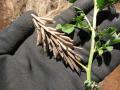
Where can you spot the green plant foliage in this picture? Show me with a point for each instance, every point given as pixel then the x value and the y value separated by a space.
pixel 101 41
pixel 110 35
pixel 109 48
pixel 71 1
pixel 107 38
pixel 91 85
pixel 66 28
pixel 102 3
pixel 80 19
pixel 79 22
pixel 100 52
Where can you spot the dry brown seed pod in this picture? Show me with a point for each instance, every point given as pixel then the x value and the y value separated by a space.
pixel 66 38
pixel 60 51
pixel 38 19
pixel 55 51
pixel 52 28
pixel 78 58
pixel 50 47
pixel 61 45
pixel 79 48
pixel 71 55
pixel 35 23
pixel 69 44
pixel 39 37
pixel 75 66
pixel 69 62
pixel 43 34
pixel 55 41
pixel 48 39
pixel 49 20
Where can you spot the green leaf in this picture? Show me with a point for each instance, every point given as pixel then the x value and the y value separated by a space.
pixel 109 48
pixel 79 20
pixel 90 85
pixel 66 28
pixel 78 10
pixel 107 38
pixel 113 1
pixel 100 52
pixel 110 30
pixel 110 36
pixel 82 25
pixel 115 41
pixel 71 1
pixel 59 26
pixel 102 3
pixel 107 34
pixel 98 45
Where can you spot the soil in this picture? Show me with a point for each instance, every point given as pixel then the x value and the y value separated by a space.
pixel 4 14
pixel 112 81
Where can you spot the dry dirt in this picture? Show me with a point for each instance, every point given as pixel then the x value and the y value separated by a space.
pixel 112 81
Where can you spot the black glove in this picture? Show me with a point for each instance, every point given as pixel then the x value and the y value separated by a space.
pixel 67 15
pixel 16 33
pixel 24 66
pixel 104 65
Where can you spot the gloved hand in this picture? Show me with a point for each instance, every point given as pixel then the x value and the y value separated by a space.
pixel 105 64
pixel 14 35
pixel 23 66
pixel 102 66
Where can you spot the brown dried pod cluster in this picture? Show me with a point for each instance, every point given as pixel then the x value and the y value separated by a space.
pixel 56 42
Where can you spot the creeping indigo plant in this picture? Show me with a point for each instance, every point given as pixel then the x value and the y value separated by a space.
pixel 71 1
pixel 105 38
pixel 102 3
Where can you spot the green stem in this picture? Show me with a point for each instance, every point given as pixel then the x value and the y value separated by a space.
pixel 88 22
pixel 96 10
pixel 82 65
pixel 92 50
pixel 91 56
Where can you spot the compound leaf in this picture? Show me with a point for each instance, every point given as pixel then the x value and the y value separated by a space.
pixel 66 28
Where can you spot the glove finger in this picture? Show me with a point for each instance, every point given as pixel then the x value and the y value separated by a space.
pixel 105 19
pixel 67 15
pixel 111 21
pixel 104 65
pixel 16 33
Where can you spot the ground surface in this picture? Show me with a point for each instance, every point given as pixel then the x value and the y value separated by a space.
pixel 112 82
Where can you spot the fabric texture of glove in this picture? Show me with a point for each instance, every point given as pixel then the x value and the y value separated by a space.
pixel 16 33
pixel 103 65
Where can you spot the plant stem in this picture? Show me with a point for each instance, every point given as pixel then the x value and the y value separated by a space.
pixel 96 10
pixel 91 56
pixel 92 50
pixel 82 65
pixel 88 22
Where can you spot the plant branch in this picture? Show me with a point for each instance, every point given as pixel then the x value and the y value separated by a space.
pixel 83 66
pixel 60 45
pixel 88 22
pixel 96 10
pixel 92 50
